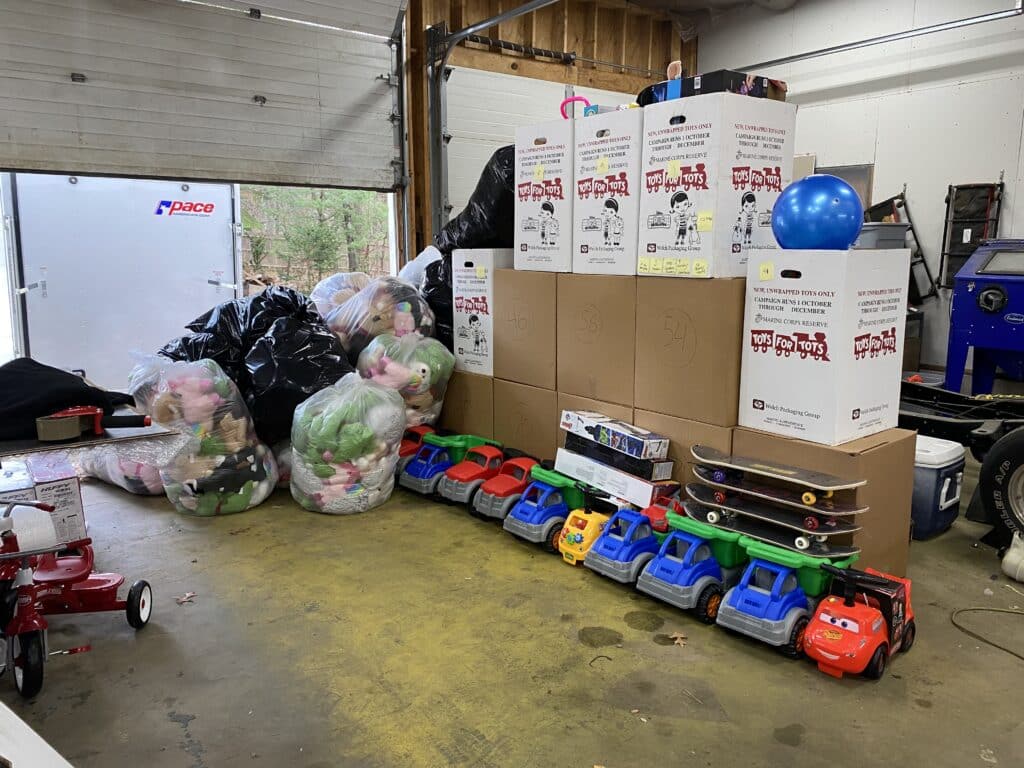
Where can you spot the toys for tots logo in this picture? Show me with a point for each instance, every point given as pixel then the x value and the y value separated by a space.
pixel 873 345
pixel 757 180
pixel 589 187
pixel 806 345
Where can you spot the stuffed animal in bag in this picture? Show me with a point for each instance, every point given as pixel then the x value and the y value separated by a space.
pixel 386 305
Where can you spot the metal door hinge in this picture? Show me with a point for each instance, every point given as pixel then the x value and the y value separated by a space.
pixel 390 78
pixel 236 228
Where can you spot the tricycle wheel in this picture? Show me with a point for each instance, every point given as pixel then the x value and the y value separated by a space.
pixel 708 603
pixel 876 667
pixel 552 543
pixel 140 604
pixel 909 633
pixel 28 663
pixel 795 647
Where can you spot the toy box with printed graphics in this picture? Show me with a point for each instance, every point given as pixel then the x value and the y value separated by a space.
pixel 625 438
pixel 473 306
pixel 607 178
pixel 612 481
pixel 823 343
pixel 713 167
pixel 48 477
pixel 544 196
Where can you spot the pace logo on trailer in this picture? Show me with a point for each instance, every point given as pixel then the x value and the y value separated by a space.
pixel 183 208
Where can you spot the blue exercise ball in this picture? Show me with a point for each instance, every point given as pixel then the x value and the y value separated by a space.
pixel 818 212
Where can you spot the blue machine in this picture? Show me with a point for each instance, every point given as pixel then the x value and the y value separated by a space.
pixel 988 315
pixel 767 604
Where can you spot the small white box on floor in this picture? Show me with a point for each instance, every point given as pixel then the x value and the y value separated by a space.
pixel 544 196
pixel 713 166
pixel 607 201
pixel 473 306
pixel 823 343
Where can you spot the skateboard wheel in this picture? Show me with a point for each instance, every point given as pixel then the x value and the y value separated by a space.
pixel 828 494
pixel 821 539
pixel 808 498
pixel 802 542
pixel 719 476
pixel 713 516
pixel 719 497
pixel 811 523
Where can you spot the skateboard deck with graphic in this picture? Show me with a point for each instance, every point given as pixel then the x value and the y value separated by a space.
pixel 777 494
pixel 818 481
pixel 775 526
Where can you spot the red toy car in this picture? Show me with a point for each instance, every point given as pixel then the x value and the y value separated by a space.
pixel 657 511
pixel 461 482
pixel 411 441
pixel 865 620
pixel 499 494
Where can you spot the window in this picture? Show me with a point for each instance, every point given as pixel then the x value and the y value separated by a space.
pixel 763 579
pixel 642 531
pixel 553 499
pixel 679 549
pixel 494 463
pixel 790 583
pixel 478 458
pixel 517 472
pixel 703 553
pixel 532 494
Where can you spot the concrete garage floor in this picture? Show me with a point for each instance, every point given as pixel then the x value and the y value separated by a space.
pixel 415 635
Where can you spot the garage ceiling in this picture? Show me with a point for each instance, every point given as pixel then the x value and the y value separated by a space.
pixel 200 90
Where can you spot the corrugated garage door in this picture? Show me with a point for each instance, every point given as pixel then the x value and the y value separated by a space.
pixel 189 89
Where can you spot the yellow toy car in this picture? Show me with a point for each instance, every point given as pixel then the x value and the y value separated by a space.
pixel 579 533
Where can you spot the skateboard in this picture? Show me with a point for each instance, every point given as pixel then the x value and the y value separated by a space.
pixel 767 523
pixel 774 493
pixel 810 481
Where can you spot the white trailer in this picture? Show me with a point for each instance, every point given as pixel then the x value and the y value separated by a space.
pixel 98 268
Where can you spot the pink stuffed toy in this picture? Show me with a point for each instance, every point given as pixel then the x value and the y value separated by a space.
pixel 392 374
pixel 199 401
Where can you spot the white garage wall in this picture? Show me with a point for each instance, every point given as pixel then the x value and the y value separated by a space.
pixel 484 110
pixel 170 90
pixel 932 111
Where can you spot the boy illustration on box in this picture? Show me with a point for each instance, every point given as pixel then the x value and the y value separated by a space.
pixel 612 222
pixel 548 224
pixel 684 219
pixel 748 213
pixel 479 338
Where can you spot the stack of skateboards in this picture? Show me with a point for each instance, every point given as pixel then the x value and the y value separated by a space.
pixel 786 506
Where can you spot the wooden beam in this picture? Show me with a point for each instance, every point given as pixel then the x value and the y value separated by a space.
pixel 551 71
pixel 418 157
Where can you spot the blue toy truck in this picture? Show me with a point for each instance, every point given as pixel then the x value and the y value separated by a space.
pixel 436 454
pixel 768 604
pixel 624 547
pixel 543 508
pixel 685 572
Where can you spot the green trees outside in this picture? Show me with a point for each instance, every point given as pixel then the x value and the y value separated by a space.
pixel 295 236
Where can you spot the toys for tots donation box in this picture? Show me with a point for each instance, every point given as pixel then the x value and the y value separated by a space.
pixel 607 197
pixel 713 167
pixel 543 181
pixel 473 306
pixel 823 343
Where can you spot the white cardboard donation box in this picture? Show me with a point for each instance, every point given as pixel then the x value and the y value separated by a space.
pixel 607 202
pixel 544 197
pixel 823 343
pixel 713 166
pixel 473 306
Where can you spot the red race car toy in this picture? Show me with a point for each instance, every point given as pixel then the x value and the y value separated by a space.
pixel 865 620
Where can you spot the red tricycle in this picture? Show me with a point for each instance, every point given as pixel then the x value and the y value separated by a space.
pixel 47 577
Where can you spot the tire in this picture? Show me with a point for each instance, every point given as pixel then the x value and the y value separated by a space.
pixel 552 540
pixel 139 604
pixel 1001 480
pixel 708 603
pixel 876 667
pixel 802 542
pixel 909 635
pixel 795 647
pixel 713 516
pixel 28 663
pixel 808 498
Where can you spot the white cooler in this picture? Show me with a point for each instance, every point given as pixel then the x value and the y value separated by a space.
pixel 938 475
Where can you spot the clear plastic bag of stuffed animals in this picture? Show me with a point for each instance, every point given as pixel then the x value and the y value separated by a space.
pixel 417 368
pixel 333 291
pixel 133 465
pixel 223 468
pixel 385 305
pixel 345 446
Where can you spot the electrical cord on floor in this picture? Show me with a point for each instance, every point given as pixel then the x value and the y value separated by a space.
pixel 976 636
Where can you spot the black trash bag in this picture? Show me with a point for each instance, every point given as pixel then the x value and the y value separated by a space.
pixel 29 389
pixel 437 290
pixel 487 220
pixel 242 321
pixel 291 361
pixel 209 346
